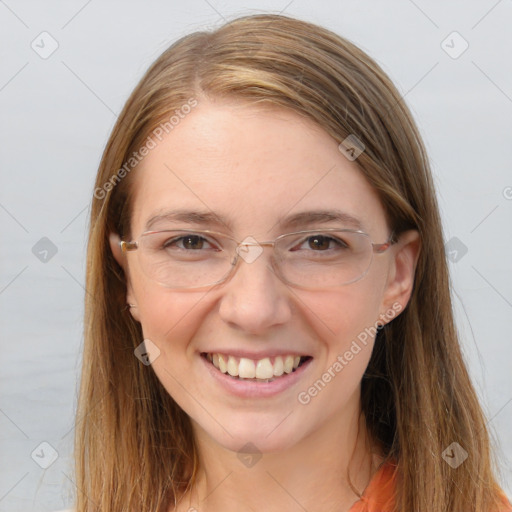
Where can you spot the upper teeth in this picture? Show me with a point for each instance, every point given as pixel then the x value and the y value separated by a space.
pixel 250 369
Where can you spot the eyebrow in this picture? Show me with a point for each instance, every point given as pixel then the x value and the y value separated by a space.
pixel 309 218
pixel 296 221
pixel 187 217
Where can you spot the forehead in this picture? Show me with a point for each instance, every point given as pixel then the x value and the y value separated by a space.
pixel 250 165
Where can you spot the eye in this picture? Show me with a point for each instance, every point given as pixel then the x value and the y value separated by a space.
pixel 321 243
pixel 189 242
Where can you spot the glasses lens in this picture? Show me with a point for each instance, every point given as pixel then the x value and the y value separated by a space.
pixel 185 259
pixel 322 259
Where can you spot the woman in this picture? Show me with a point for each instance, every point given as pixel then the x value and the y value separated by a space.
pixel 268 317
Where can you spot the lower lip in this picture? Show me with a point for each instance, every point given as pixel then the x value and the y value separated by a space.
pixel 251 389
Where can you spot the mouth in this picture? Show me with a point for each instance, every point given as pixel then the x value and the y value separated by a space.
pixel 265 370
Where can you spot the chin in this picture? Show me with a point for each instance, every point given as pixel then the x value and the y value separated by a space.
pixel 254 433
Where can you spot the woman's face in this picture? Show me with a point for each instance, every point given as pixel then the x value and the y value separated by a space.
pixel 256 169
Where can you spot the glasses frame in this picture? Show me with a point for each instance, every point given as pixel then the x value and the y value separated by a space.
pixel 133 245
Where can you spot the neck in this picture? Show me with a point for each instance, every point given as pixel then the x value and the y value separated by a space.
pixel 326 471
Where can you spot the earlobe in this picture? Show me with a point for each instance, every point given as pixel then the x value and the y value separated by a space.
pixel 403 269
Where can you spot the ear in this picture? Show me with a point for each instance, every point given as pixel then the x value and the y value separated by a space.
pixel 400 281
pixel 115 246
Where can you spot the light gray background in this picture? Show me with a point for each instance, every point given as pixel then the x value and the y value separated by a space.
pixel 56 114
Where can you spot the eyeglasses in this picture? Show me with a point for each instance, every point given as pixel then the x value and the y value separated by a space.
pixel 178 258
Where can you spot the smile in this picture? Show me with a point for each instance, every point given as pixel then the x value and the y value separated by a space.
pixel 266 369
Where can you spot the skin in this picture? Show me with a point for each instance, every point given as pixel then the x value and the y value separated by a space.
pixel 252 166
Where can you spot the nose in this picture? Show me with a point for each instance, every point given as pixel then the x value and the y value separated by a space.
pixel 254 299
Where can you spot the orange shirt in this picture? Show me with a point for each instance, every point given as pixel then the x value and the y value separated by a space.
pixel 379 495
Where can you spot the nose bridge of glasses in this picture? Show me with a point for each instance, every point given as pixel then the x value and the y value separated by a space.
pixel 252 242
pixel 250 249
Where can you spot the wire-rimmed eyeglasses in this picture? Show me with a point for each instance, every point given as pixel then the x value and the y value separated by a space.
pixel 315 258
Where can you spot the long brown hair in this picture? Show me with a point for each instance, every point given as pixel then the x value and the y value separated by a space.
pixel 134 446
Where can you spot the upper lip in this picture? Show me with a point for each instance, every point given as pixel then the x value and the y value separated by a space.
pixel 261 354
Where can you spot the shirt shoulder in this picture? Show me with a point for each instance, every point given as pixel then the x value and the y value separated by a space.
pixel 379 496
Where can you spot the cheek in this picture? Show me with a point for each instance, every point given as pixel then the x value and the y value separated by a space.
pixel 345 323
pixel 345 312
pixel 171 320
pixel 168 317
